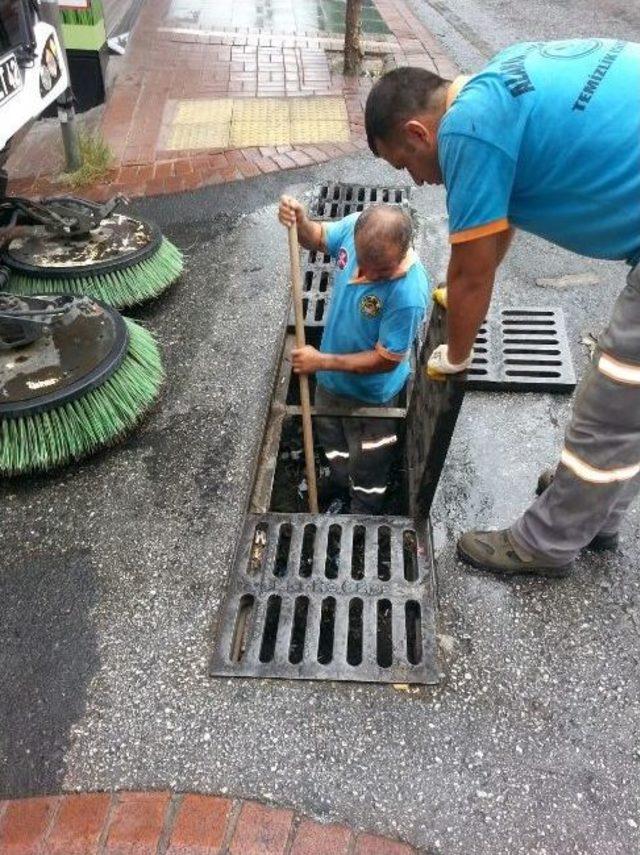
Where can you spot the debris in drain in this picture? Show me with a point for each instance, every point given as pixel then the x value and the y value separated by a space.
pixel 337 506
pixel 258 549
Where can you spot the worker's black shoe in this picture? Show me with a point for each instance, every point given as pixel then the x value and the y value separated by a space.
pixel 496 552
pixel 602 542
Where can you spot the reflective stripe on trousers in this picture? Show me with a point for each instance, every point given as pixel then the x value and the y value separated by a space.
pixel 599 472
pixel 360 452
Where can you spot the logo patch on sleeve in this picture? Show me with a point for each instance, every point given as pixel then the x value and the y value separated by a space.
pixel 343 258
pixel 370 306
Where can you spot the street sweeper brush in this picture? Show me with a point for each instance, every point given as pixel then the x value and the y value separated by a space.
pixel 68 245
pixel 74 377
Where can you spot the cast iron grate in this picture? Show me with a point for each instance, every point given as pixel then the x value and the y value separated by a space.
pixel 313 260
pixel 335 201
pixel 317 282
pixel 329 598
pixel 523 349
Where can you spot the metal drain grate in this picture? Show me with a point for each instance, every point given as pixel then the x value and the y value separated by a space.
pixel 335 201
pixel 312 260
pixel 317 282
pixel 329 598
pixel 522 349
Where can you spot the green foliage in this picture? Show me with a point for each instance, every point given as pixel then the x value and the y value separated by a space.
pixel 99 418
pixel 119 288
pixel 83 17
pixel 96 159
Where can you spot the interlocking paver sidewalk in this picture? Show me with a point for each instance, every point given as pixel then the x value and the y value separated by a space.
pixel 184 68
pixel 158 823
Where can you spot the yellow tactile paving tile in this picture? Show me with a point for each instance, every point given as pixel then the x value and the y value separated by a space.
pixel 248 135
pixel 315 132
pixel 318 110
pixel 245 122
pixel 187 137
pixel 199 112
pixel 274 110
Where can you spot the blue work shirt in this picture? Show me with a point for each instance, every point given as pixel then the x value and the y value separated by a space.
pixel 547 138
pixel 384 315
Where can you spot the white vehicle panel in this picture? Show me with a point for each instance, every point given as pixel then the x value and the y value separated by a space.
pixel 40 84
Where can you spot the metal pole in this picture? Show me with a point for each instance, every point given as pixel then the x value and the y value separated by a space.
pixel 66 112
pixel 307 430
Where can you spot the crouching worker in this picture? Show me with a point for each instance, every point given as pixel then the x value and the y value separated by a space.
pixel 377 306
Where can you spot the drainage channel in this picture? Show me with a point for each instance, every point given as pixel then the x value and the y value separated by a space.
pixel 340 597
pixel 346 597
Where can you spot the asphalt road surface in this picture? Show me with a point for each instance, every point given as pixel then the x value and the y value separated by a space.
pixel 472 31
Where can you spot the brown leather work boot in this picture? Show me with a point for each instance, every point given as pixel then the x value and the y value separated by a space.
pixel 496 552
pixel 603 541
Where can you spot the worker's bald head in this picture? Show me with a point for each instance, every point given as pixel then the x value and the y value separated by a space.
pixel 383 237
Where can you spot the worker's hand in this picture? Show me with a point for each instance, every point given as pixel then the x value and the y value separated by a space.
pixel 440 296
pixel 439 366
pixel 306 360
pixel 291 211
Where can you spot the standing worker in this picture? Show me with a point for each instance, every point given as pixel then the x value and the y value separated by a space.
pixel 378 303
pixel 546 138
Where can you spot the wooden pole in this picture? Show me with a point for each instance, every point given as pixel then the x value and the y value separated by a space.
pixel 307 430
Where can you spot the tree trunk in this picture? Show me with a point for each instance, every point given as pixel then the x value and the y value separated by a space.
pixel 352 48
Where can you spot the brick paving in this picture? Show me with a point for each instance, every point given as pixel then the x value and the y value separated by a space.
pixel 164 824
pixel 166 64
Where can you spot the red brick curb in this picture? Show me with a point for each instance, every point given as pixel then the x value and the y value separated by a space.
pixel 161 823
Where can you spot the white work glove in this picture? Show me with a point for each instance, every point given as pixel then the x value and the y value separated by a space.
pixel 439 365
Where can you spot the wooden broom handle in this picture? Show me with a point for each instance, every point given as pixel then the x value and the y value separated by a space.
pixel 307 429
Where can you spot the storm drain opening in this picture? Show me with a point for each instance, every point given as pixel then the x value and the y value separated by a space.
pixel 522 349
pixel 241 628
pixel 334 201
pixel 299 631
pixel 289 487
pixel 339 596
pixel 334 624
pixel 317 284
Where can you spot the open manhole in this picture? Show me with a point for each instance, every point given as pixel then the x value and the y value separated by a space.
pixel 521 349
pixel 329 598
pixel 335 201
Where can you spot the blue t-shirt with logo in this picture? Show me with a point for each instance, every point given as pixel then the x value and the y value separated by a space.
pixel 384 315
pixel 547 138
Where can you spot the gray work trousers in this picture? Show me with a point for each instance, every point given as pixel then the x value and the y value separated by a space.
pixel 360 451
pixel 598 475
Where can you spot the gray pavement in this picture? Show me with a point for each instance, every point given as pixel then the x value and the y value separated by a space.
pixel 473 30
pixel 113 573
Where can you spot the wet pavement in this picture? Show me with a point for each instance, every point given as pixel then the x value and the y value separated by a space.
pixel 113 573
pixel 281 16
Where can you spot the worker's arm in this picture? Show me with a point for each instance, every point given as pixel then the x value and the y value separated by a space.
pixel 310 233
pixel 307 360
pixel 470 278
pixel 505 239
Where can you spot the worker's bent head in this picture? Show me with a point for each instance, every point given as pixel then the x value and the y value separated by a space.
pixel 402 115
pixel 383 237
